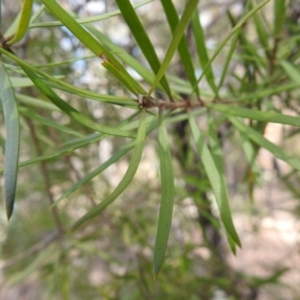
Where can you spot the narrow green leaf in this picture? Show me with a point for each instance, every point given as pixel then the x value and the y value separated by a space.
pixel 116 100
pixel 256 114
pixel 70 146
pixel 95 137
pixel 183 49
pixel 11 119
pixel 179 31
pixel 132 168
pixel 13 26
pixel 66 62
pixel 202 51
pixel 87 19
pixel 104 166
pixel 128 83
pixel 217 156
pixel 265 92
pixel 24 22
pixel 47 122
pixel 142 39
pixel 95 172
pixel 214 170
pixel 20 82
pixel 146 74
pixel 228 59
pixel 292 72
pixel 250 56
pixel 259 139
pixel 72 112
pixel 262 33
pixel 87 39
pixel 35 102
pixel 167 196
pixel 279 16
pixel 59 84
pixel 227 38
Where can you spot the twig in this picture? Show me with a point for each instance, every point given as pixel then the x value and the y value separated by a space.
pixel 149 102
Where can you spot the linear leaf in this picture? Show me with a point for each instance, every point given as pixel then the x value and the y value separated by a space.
pixel 105 165
pixel 179 31
pixel 72 112
pixel 227 38
pixel 217 156
pixel 183 49
pixel 142 39
pixel 24 22
pixel 256 114
pixel 47 122
pixel 62 85
pixel 265 92
pixel 97 171
pixel 250 56
pixel 228 59
pixel 262 34
pixel 11 119
pixel 259 139
pixel 202 51
pixel 132 168
pixel 146 74
pixel 18 82
pixel 292 72
pixel 279 13
pixel 167 196
pixel 128 83
pixel 214 170
pixel 87 19
pixel 92 138
pixel 116 100
pixel 88 40
pixel 81 142
pixel 35 102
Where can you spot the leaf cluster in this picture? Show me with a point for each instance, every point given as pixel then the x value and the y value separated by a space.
pixel 246 100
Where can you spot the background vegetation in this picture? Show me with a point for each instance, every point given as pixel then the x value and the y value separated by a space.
pixel 186 114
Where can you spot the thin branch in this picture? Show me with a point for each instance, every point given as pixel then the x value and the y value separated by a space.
pixel 149 102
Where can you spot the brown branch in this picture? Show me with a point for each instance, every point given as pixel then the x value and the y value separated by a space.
pixel 273 56
pixel 149 102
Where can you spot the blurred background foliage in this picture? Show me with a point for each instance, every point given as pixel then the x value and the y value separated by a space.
pixel 111 257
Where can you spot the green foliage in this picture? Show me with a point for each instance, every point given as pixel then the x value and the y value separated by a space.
pixel 11 117
pixel 167 196
pixel 42 95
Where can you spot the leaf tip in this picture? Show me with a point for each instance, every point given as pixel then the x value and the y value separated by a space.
pixel 9 212
pixel 155 274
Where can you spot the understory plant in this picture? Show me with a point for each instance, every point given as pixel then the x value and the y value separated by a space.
pixel 169 112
